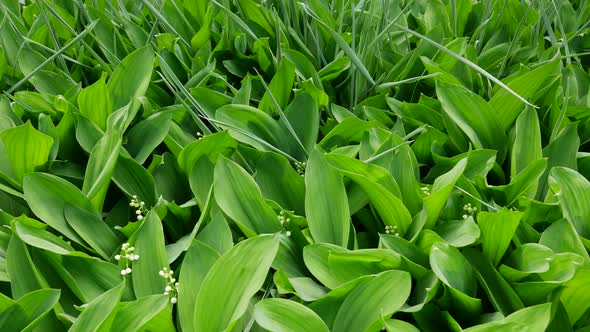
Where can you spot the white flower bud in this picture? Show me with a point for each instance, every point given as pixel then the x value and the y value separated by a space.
pixel 117 257
pixel 288 233
pixel 124 272
pixel 128 270
pixel 162 273
pixel 173 280
pixel 168 288
pixel 140 217
pixel 173 300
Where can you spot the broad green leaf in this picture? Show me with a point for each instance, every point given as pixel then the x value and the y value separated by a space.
pixel 149 242
pixel 26 148
pixel 574 194
pixel 561 236
pixel 98 311
pixel 217 234
pixel 391 209
pixel 382 295
pixel 133 316
pixel 232 281
pixel 100 169
pixel 240 198
pixel 531 319
pixel 131 77
pixel 91 228
pixel 252 126
pixel 210 146
pixel 133 179
pixel 560 152
pixel 145 136
pixel 327 307
pixel 95 104
pixel 459 233
pixel 395 325
pixel 576 295
pixel 527 143
pixel 304 116
pixel 24 275
pixel 453 269
pixel 285 315
pixel 507 106
pixel 196 264
pixel 280 182
pixel 29 310
pixel 440 192
pixel 482 126
pixel 326 206
pixel 41 238
pixel 497 231
pixel 525 183
pixel 47 196
pixel 280 87
pixel 503 297
pixel 87 277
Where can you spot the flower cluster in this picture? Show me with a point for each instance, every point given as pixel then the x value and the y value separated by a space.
pixel 469 209
pixel 127 256
pixel 284 220
pixel 300 167
pixel 425 191
pixel 171 284
pixel 391 230
pixel 139 205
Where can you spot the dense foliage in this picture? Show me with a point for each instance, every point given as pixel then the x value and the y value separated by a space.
pixel 235 165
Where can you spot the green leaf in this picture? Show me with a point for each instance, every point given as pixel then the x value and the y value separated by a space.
pixel 98 311
pixel 131 77
pixel 574 194
pixel 561 236
pixel 576 295
pixel 239 197
pixel 279 182
pixel 497 231
pixel 40 238
pixel 502 296
pixel 149 242
pixel 132 316
pixel 507 106
pixel 26 148
pixel 531 319
pixel 232 281
pixel 527 146
pixel 95 104
pixel 482 127
pixel 252 126
pixel 210 146
pixel 280 88
pixel 91 228
pixel 304 117
pixel 453 269
pixel 133 179
pixel 440 192
pixel 145 136
pixel 100 169
pixel 382 295
pixel 47 196
pixel 29 310
pixel 283 315
pixel 196 264
pixel 326 204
